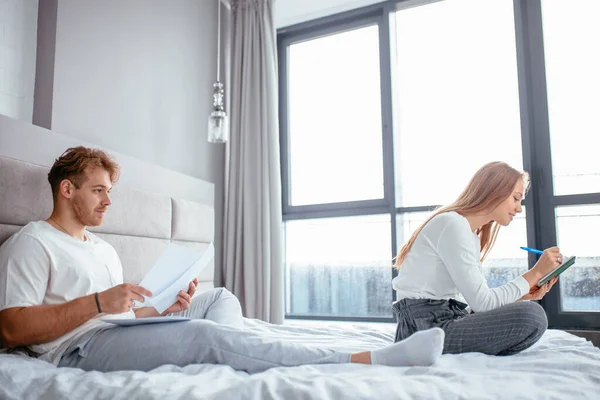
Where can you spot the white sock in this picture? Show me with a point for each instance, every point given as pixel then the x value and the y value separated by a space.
pixel 420 349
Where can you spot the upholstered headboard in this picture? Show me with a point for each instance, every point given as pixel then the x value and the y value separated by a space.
pixel 138 224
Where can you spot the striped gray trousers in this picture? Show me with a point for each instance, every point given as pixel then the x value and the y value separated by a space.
pixel 504 331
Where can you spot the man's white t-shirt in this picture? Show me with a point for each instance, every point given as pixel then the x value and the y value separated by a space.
pixel 40 265
pixel 444 263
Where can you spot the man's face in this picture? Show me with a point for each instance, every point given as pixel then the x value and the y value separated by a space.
pixel 90 202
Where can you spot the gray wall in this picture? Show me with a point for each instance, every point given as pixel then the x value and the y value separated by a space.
pixel 133 76
pixel 136 76
pixel 18 29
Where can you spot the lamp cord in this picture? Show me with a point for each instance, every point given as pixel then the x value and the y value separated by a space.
pixel 218 39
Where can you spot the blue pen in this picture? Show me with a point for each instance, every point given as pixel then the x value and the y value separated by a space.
pixel 536 251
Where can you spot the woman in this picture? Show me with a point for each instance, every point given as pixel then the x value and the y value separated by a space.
pixel 442 261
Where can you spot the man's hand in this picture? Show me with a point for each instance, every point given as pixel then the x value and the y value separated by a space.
pixel 120 298
pixel 537 293
pixel 184 299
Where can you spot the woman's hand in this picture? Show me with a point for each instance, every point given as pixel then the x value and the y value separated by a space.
pixel 548 262
pixel 538 293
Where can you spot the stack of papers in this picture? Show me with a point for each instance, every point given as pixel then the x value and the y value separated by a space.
pixel 173 272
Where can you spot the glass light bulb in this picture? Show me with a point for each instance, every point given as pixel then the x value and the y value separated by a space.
pixel 218 127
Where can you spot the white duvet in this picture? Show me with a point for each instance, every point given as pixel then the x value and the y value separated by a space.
pixel 560 366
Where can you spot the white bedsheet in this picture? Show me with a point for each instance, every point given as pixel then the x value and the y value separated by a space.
pixel 560 366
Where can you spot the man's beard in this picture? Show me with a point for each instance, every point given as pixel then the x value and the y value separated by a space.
pixel 79 211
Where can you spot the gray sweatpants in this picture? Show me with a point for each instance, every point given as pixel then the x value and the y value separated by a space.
pixel 214 336
pixel 506 330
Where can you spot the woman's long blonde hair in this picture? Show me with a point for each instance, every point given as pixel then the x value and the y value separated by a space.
pixel 490 186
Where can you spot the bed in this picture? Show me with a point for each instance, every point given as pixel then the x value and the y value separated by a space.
pixel 560 365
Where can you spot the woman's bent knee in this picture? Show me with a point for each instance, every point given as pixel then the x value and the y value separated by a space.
pixel 532 326
pixel 535 314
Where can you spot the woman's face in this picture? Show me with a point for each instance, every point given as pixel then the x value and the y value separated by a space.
pixel 504 213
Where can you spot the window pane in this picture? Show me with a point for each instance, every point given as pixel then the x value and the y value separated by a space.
pixel 456 97
pixel 576 232
pixel 407 224
pixel 335 118
pixel 572 51
pixel 505 262
pixel 339 267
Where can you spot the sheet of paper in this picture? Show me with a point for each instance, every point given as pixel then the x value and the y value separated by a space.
pixel 172 272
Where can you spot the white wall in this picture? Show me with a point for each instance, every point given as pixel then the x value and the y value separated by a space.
pixel 18 36
pixel 26 142
pixel 135 77
pixel 290 12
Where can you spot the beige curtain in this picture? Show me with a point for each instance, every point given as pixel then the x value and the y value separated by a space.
pixel 252 228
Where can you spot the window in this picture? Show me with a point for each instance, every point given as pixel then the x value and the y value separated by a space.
pixel 449 88
pixel 388 110
pixel 571 60
pixel 335 118
pixel 580 284
pixel 456 97
pixel 339 267
pixel 572 55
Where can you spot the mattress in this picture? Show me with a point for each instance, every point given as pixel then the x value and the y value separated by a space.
pixel 560 366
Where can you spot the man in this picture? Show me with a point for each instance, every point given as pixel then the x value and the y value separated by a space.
pixel 58 280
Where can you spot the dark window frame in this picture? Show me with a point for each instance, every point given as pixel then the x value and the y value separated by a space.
pixel 535 136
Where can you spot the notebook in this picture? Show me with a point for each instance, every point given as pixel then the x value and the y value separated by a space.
pixel 567 262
